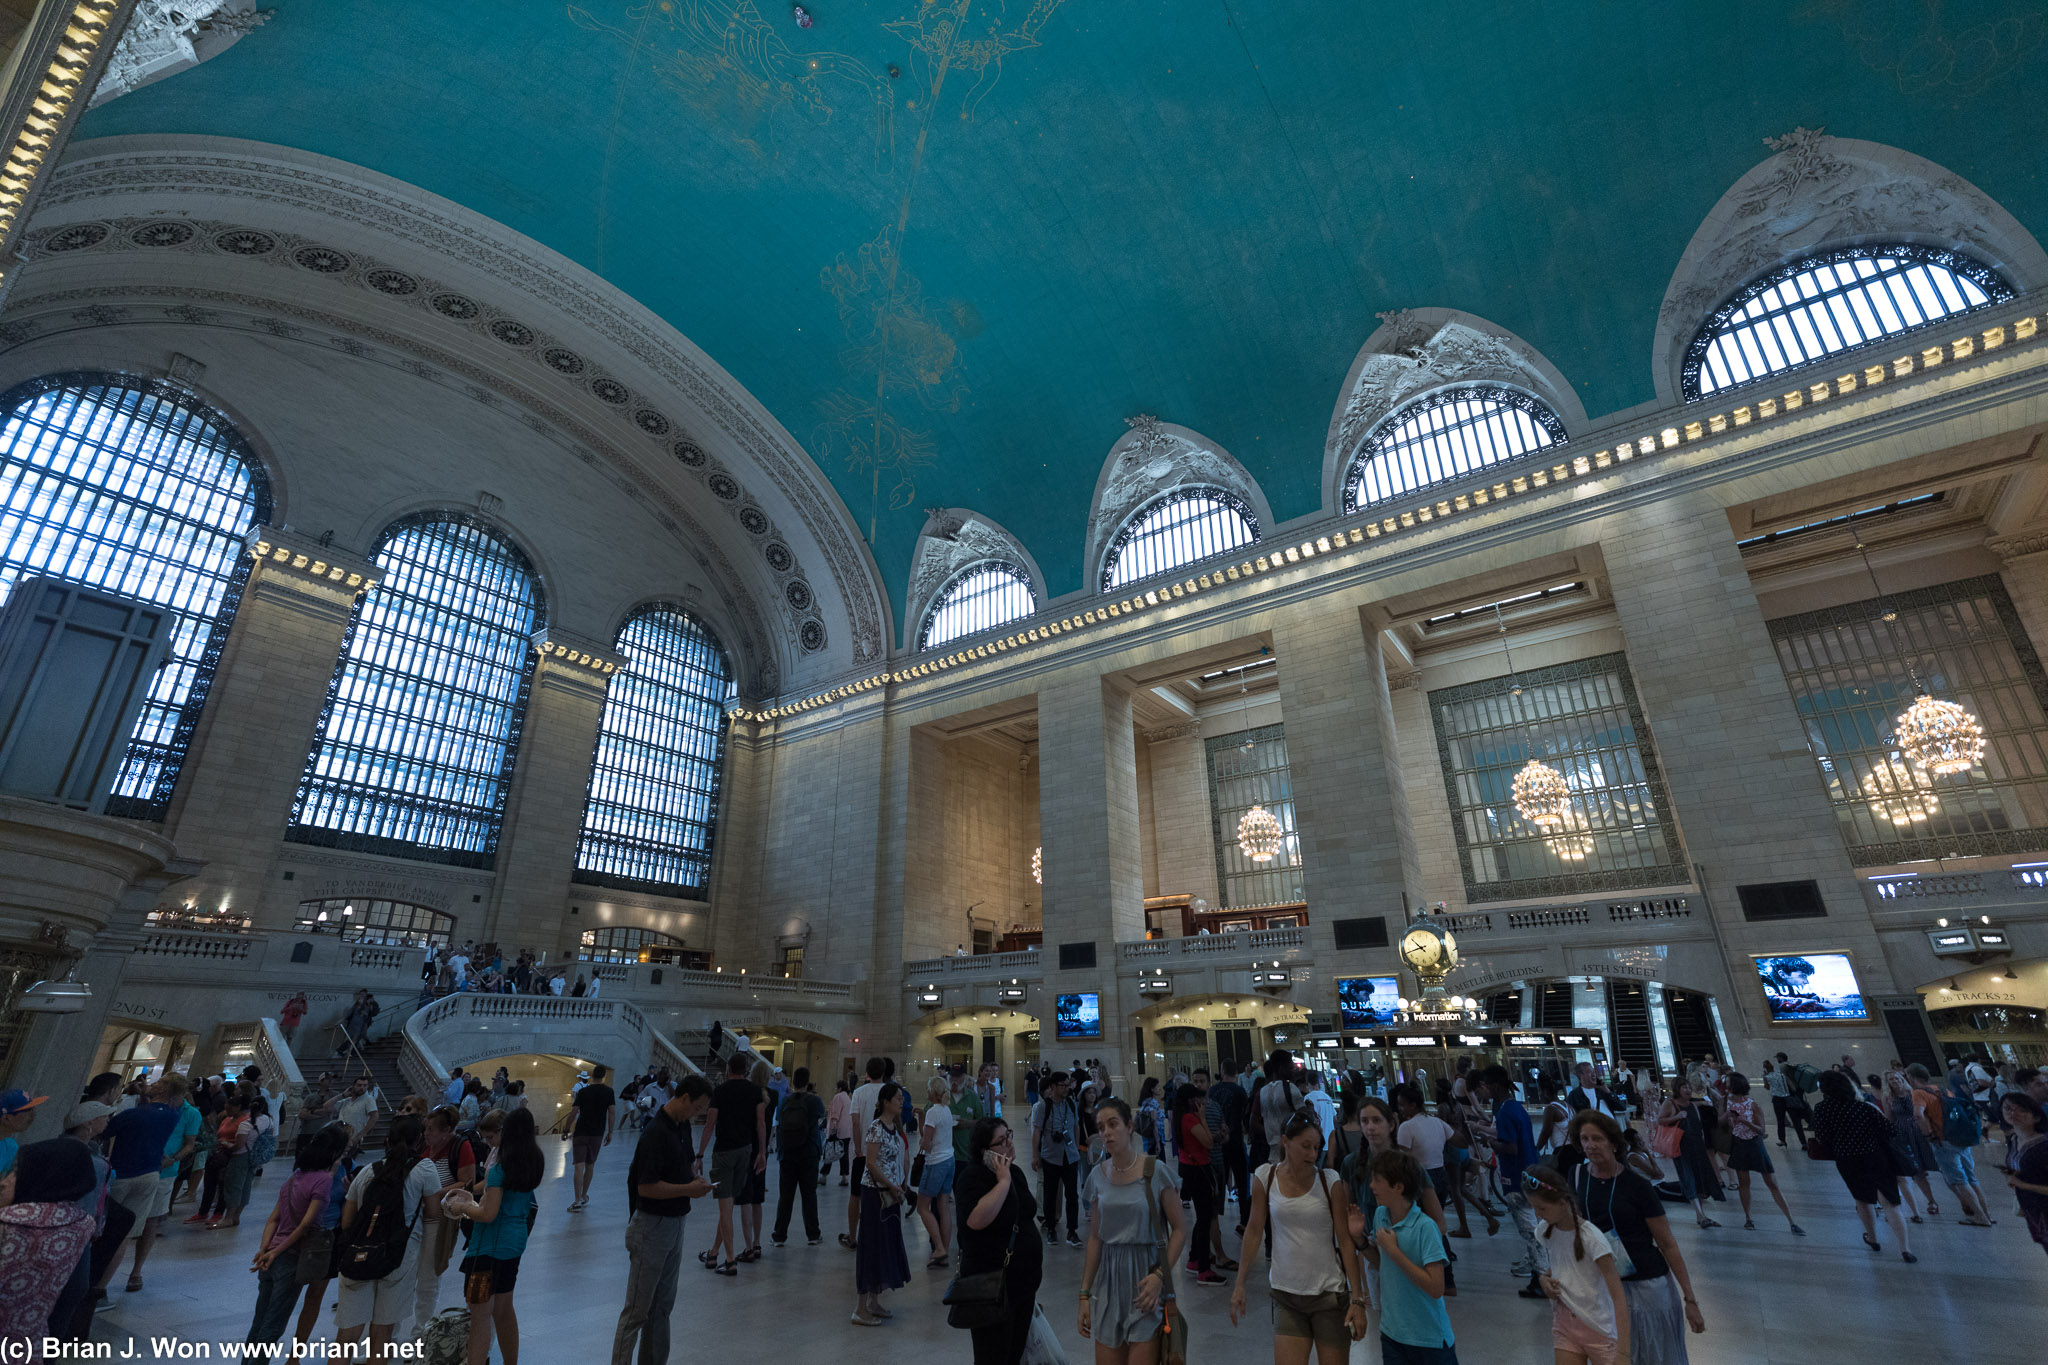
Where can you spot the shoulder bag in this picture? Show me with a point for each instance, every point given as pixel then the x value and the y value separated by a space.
pixel 1173 1327
pixel 982 1299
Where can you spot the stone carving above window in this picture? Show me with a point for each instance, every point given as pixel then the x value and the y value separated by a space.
pixel 1816 192
pixel 1156 457
pixel 954 539
pixel 165 37
pixel 1417 350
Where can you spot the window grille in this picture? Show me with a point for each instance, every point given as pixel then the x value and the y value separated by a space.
pixel 652 808
pixel 1848 669
pixel 415 749
pixel 1238 780
pixel 388 924
pixel 1830 303
pixel 1583 719
pixel 1924 500
pixel 1446 435
pixel 132 486
pixel 980 597
pixel 1183 527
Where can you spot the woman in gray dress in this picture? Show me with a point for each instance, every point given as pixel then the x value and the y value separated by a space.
pixel 1136 1235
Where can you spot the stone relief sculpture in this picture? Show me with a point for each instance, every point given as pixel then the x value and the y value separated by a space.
pixel 165 37
pixel 1154 458
pixel 1408 364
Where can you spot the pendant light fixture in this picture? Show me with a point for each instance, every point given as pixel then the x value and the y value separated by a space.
pixel 1259 835
pixel 1038 865
pixel 1541 795
pixel 1939 737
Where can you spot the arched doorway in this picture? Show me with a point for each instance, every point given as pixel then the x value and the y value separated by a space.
pixel 973 1037
pixel 1186 1032
pixel 1994 1013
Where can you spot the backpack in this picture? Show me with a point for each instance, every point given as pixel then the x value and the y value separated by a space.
pixel 445 1339
pixel 263 1149
pixel 375 1244
pixel 795 1125
pixel 1960 1124
pixel 1148 1125
pixel 1805 1079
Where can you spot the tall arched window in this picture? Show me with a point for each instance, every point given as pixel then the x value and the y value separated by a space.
pixel 414 752
pixel 133 486
pixel 1183 527
pixel 652 810
pixel 1833 302
pixel 980 597
pixel 1447 435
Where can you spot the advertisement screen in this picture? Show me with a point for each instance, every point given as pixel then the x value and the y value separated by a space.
pixel 1367 1002
pixel 1811 987
pixel 1078 1015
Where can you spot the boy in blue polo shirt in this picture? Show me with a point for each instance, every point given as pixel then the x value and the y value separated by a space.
pixel 1414 1328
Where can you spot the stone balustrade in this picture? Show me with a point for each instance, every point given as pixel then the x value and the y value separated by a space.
pixel 1656 912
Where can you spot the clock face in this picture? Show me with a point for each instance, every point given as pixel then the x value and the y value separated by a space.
pixel 1419 950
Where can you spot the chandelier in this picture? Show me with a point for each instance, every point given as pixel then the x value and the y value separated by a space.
pixel 1574 841
pixel 1259 835
pixel 1900 794
pixel 1940 736
pixel 1541 796
pixel 1038 865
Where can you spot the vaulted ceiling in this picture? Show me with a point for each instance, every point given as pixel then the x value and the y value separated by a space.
pixel 951 246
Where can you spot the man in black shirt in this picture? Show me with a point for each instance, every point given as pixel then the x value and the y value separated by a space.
pixel 739 1126
pixel 594 1105
pixel 659 1187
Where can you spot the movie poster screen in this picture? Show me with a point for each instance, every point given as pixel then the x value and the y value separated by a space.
pixel 1811 988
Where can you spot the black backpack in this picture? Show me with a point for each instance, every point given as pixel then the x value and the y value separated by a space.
pixel 796 1124
pixel 374 1245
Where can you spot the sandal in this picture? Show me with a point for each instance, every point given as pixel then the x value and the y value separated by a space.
pixel 846 1241
pixel 729 1268
pixel 1462 1232
pixel 749 1256
pixel 1708 1223
pixel 1933 1208
pixel 936 1263
pixel 1871 1242
pixel 1223 1263
pixel 134 1283
pixel 708 1257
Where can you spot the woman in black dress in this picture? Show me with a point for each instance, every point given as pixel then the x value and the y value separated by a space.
pixel 998 1231
pixel 1859 1140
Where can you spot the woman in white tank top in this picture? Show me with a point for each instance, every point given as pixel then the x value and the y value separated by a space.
pixel 1317 1286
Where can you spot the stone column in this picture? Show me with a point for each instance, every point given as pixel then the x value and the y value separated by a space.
pixel 1350 801
pixel 1094 865
pixel 2023 565
pixel 1422 773
pixel 1734 755
pixel 249 751
pixel 1184 842
pixel 528 902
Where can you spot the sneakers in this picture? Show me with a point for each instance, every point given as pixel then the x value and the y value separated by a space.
pixel 1052 1237
pixel 814 1241
pixel 780 1241
pixel 1074 1239
pixel 1210 1277
pixel 1522 1270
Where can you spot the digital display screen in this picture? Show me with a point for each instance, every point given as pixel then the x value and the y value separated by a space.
pixel 1367 1002
pixel 1078 1014
pixel 1811 987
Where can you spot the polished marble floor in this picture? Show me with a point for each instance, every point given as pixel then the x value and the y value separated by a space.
pixel 1821 1300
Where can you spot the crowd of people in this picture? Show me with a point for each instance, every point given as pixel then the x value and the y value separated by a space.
pixel 484 967
pixel 1352 1199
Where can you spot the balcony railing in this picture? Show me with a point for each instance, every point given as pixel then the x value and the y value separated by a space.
pixel 1535 918
pixel 1201 948
pixel 1013 964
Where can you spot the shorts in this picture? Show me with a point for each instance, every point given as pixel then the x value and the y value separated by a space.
pixel 1456 1157
pixel 860 1167
pixel 1572 1334
pixel 1870 1177
pixel 1440 1181
pixel 1319 1317
pixel 1958 1164
pixel 495 1273
pixel 730 1167
pixel 583 1150
pixel 146 1196
pixel 382 1303
pixel 938 1178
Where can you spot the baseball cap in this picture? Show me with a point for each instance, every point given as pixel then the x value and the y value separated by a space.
pixel 84 1113
pixel 16 1101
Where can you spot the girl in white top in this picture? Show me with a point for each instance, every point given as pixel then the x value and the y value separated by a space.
pixel 1318 1287
pixel 935 1191
pixel 1589 1323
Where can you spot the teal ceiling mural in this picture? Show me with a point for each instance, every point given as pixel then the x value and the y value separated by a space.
pixel 953 245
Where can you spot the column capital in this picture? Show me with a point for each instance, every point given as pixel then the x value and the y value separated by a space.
pixel 299 570
pixel 1401 682
pixel 1168 732
pixel 2009 548
pixel 567 659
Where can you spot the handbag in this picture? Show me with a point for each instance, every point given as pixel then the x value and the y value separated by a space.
pixel 1819 1148
pixel 982 1299
pixel 1173 1327
pixel 917 1171
pixel 1667 1140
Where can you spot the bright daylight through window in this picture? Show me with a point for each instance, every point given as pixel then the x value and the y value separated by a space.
pixel 980 597
pixel 1447 435
pixel 1184 527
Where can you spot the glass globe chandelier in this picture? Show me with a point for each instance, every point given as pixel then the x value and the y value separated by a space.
pixel 1542 797
pixel 1038 865
pixel 1573 843
pixel 1259 835
pixel 1900 794
pixel 1939 736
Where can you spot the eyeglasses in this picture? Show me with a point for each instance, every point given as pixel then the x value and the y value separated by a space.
pixel 1299 1122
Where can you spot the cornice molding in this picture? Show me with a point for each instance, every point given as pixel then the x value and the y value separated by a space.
pixel 2009 548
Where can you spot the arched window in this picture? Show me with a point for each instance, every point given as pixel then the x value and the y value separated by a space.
pixel 132 486
pixel 414 752
pixel 652 810
pixel 1447 435
pixel 390 924
pixel 980 597
pixel 1184 526
pixel 628 945
pixel 1833 302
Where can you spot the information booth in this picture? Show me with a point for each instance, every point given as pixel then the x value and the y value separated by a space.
pixel 1424 1056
